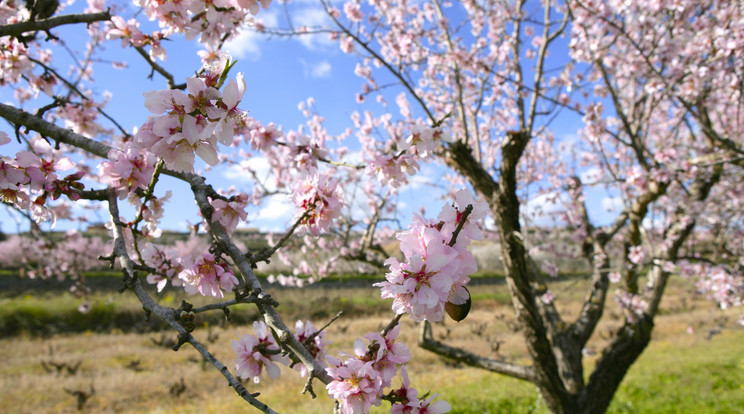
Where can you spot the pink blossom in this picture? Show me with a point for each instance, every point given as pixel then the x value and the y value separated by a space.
pixel 636 254
pixel 422 285
pixel 39 170
pixel 452 215
pixel 254 353
pixel 392 170
pixel 316 346
pixel 353 11
pixel 41 213
pixel 388 354
pixel 429 406
pixel 166 262
pixel 356 385
pixel 128 32
pixel 633 305
pixel 549 268
pixel 188 125
pixel 232 117
pixel 434 273
pixel 262 137
pixel 407 401
pixel 207 277
pixel 424 140
pixel 347 44
pixel 319 198
pixel 128 170
pixel 229 213
pixel 11 176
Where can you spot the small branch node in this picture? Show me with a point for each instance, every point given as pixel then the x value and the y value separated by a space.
pixel 182 339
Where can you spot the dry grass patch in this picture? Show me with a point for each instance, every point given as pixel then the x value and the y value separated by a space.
pixel 151 384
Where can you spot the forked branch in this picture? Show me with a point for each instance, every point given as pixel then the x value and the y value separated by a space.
pixel 427 341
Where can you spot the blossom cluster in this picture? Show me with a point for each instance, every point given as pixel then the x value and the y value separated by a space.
pixel 208 276
pixel 359 380
pixel 314 342
pixel 719 283
pixel 319 198
pixel 34 173
pixel 169 261
pixel 290 281
pixel 633 305
pixel 129 33
pixel 393 168
pixel 193 122
pixel 42 258
pixel 166 262
pixel 256 352
pixel 229 212
pixel 127 170
pixel 435 271
pixel 210 20
pixel 185 264
pixel 407 400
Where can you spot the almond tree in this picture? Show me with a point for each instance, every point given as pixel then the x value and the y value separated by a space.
pixel 657 90
pixel 200 119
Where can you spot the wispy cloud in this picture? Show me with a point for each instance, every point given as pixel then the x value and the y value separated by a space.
pixel 247 45
pixel 320 69
pixel 241 172
pixel 311 18
pixel 276 208
pixel 545 209
pixel 613 204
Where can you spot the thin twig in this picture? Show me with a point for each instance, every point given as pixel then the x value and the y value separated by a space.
pixel 463 219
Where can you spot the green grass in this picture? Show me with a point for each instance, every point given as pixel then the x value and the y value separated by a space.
pixel 40 308
pixel 678 373
pixel 56 313
pixel 703 377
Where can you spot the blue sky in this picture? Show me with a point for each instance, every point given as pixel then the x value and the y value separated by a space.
pixel 279 73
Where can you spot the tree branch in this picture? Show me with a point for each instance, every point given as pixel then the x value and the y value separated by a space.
pixel 168 315
pixel 222 238
pixel 271 317
pixel 159 69
pixel 427 342
pixel 18 29
pixel 596 254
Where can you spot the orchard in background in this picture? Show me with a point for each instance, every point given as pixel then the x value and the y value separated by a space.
pixel 655 90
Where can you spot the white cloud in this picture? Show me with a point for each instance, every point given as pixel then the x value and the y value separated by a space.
pixel 276 208
pixel 426 177
pixel 570 139
pixel 317 70
pixel 544 209
pixel 613 204
pixel 322 70
pixel 247 45
pixel 241 172
pixel 591 175
pixel 313 18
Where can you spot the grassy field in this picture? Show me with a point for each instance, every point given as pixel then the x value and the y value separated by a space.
pixel 680 372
